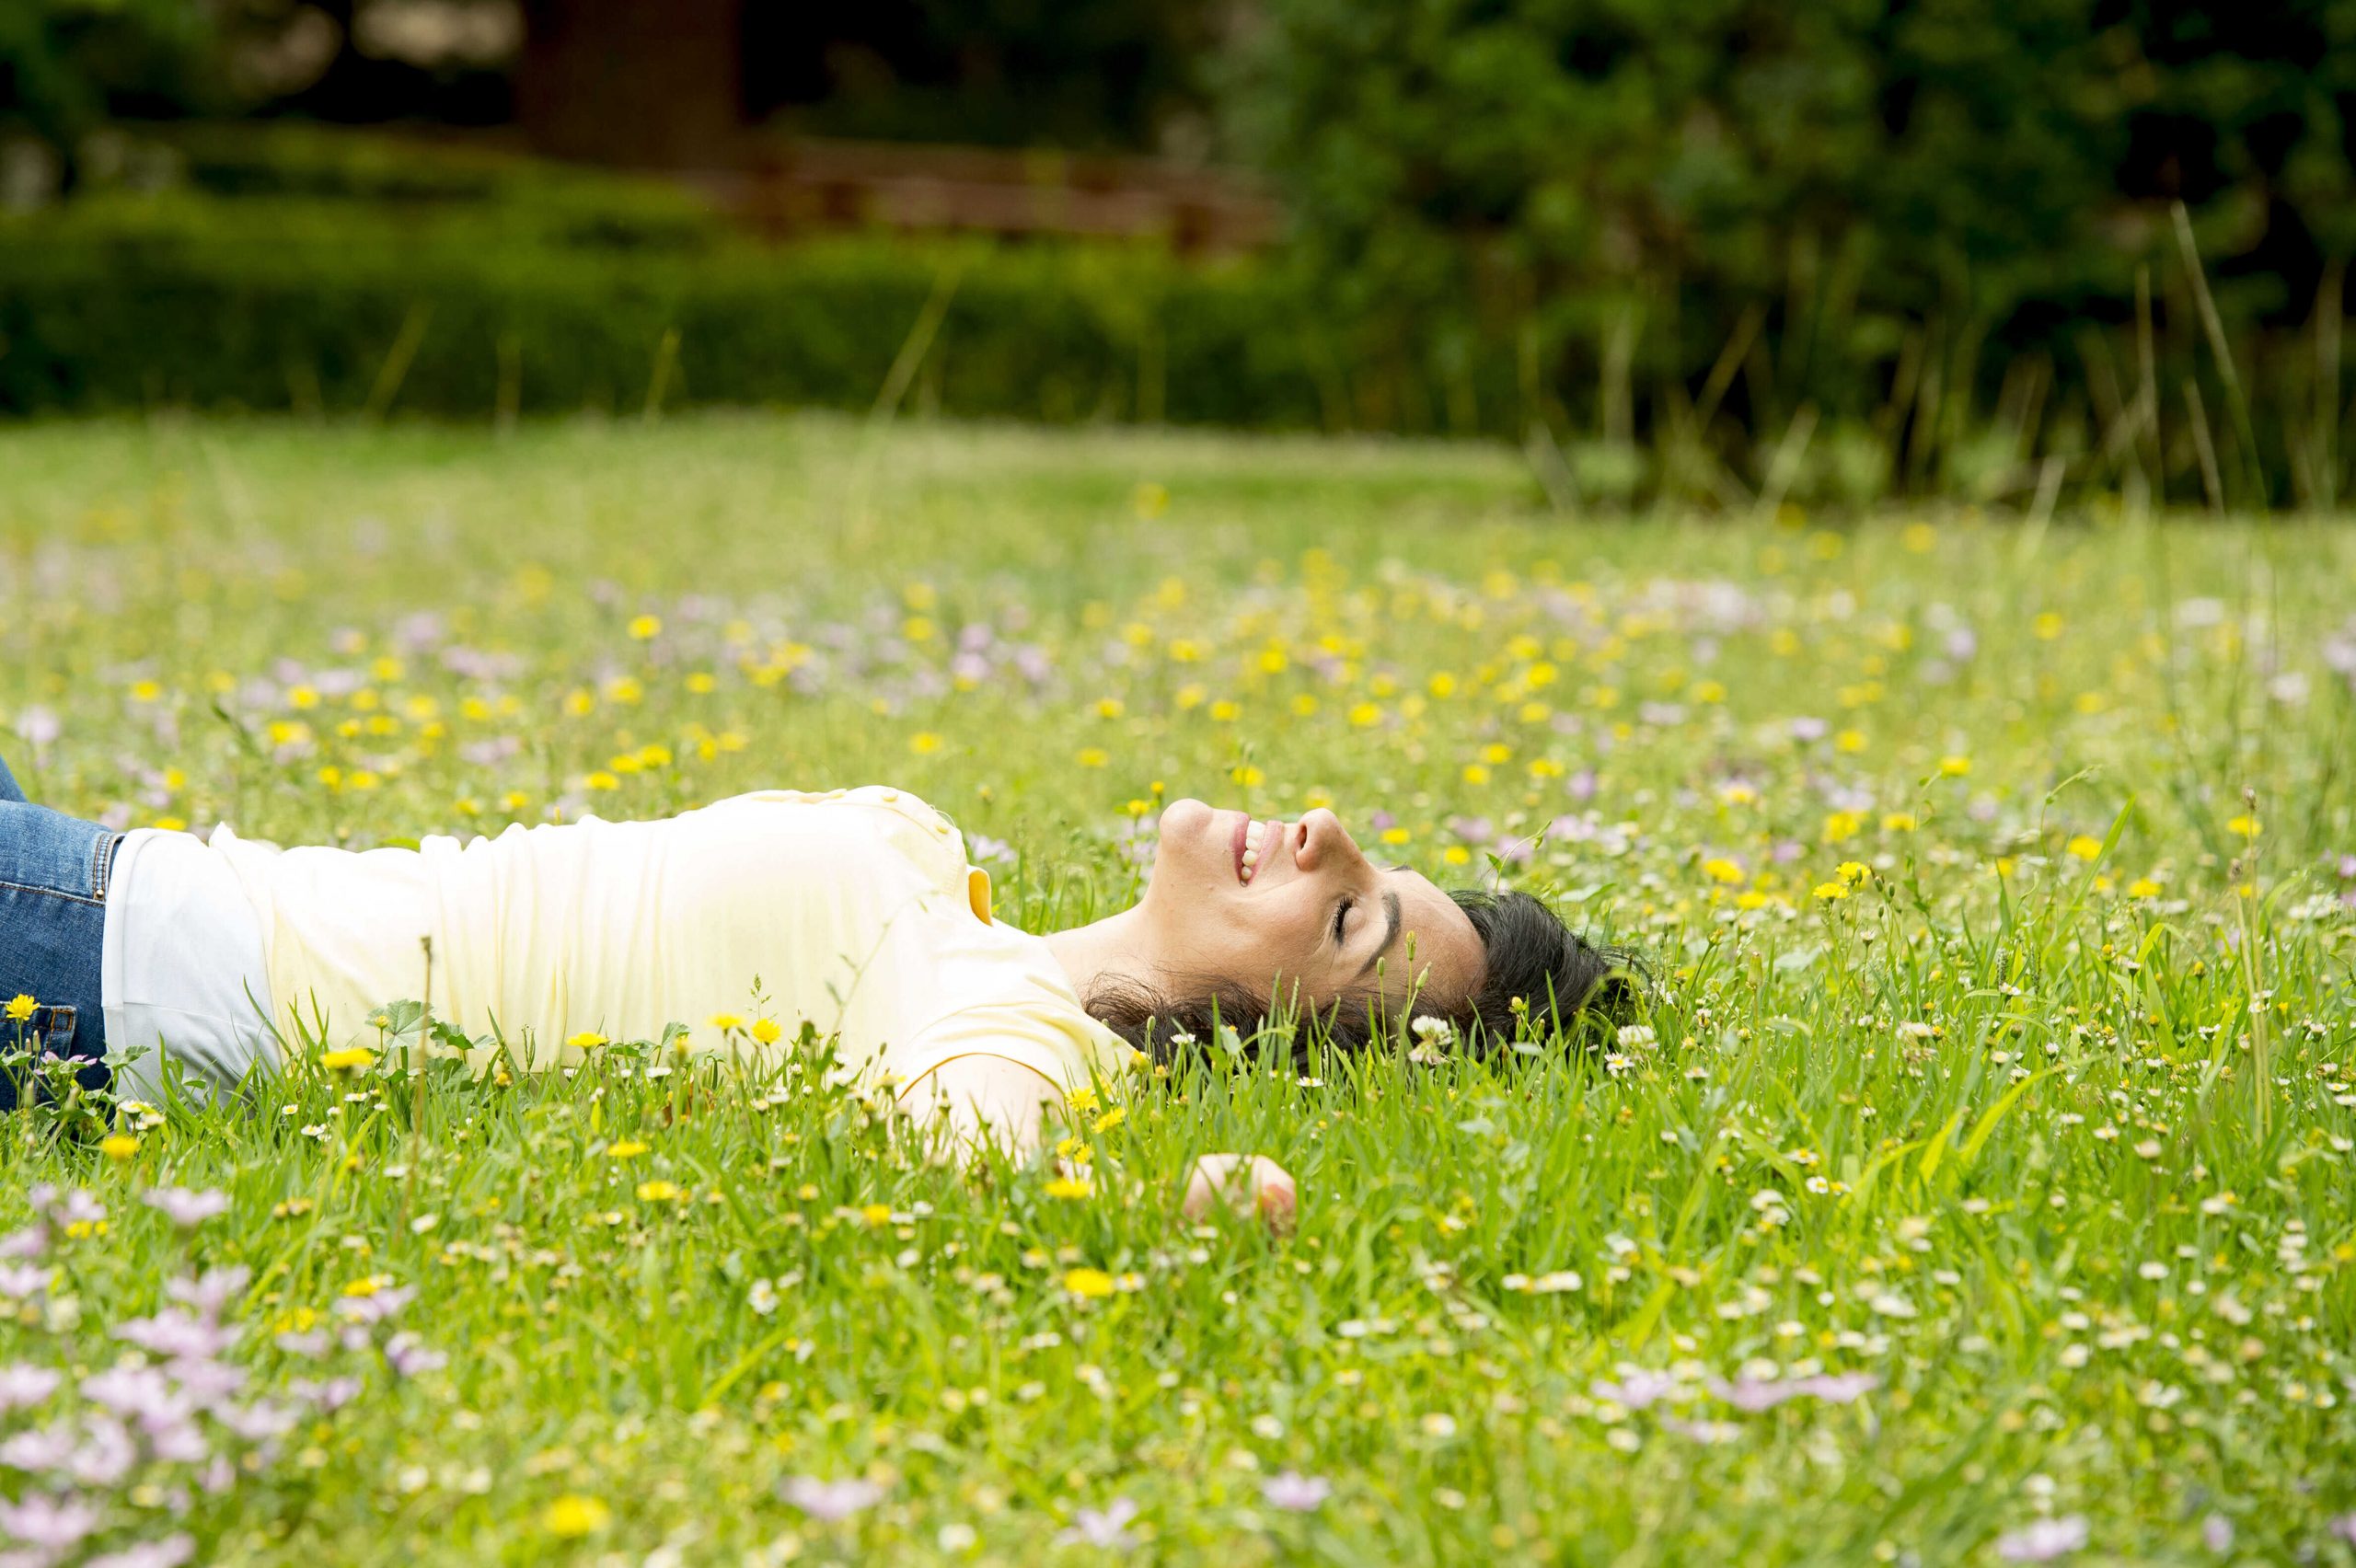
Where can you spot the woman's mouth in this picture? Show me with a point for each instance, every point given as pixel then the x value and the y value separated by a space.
pixel 1252 840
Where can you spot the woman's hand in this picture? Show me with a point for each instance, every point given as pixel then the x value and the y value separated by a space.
pixel 1242 1184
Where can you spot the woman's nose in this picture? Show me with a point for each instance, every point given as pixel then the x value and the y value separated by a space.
pixel 1321 835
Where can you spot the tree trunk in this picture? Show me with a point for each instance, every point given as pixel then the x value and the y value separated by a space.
pixel 649 83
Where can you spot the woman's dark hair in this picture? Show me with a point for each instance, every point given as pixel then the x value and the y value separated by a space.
pixel 1538 978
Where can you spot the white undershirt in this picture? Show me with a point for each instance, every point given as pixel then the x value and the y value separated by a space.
pixel 182 949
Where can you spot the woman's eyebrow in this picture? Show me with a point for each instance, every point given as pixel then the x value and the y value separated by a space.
pixel 1390 937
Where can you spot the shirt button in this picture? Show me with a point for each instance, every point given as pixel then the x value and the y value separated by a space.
pixel 890 795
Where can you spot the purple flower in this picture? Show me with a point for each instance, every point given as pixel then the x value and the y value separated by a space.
pixel 184 1207
pixel 21 1280
pixel 169 1552
pixel 1107 1527
pixel 2044 1540
pixel 129 1390
pixel 1295 1493
pixel 180 1443
pixel 108 1455
pixel 21 1385
pixel 829 1500
pixel 1752 1394
pixel 407 1355
pixel 1841 1388
pixel 2217 1533
pixel 1581 785
pixel 75 1207
pixel 29 1242
pixel 2344 1528
pixel 1474 830
pixel 52 1522
pixel 259 1422
pixel 329 1395
pixel 174 1333
pixel 1637 1389
pixel 209 1294
pixel 43 1449
pixel 2347 867
pixel 381 1308
pixel 1808 730
pixel 38 725
pixel 206 1382
pixel 313 1345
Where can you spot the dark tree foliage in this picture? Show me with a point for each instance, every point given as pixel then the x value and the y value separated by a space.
pixel 1465 169
pixel 67 66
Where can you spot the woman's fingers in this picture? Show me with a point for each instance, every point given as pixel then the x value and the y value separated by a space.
pixel 1242 1184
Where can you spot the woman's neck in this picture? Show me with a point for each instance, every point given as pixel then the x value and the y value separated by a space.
pixel 1110 950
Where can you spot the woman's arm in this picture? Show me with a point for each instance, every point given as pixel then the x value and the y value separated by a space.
pixel 982 1099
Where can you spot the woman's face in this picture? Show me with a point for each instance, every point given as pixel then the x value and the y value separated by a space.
pixel 1271 903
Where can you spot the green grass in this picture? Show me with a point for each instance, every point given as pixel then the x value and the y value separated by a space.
pixel 2045 1125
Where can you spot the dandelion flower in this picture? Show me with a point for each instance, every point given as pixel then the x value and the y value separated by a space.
pixel 1094 1284
pixel 573 1517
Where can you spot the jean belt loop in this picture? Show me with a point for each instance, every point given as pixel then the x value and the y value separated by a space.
pixel 56 1033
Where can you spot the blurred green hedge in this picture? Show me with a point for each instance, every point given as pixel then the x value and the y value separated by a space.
pixel 554 301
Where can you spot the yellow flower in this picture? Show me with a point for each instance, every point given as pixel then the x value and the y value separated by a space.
pixel 585 1041
pixel 1955 767
pixel 120 1147
pixel 725 1020
pixel 1092 1283
pixel 2086 847
pixel 924 742
pixel 1112 1119
pixel 876 1214
pixel 351 1059
pixel 765 1030
pixel 1839 825
pixel 644 626
pixel 658 1192
pixel 1831 891
pixel 2245 826
pixel 1093 757
pixel 574 1516
pixel 2142 887
pixel 1899 822
pixel 1082 1099
pixel 1720 869
pixel 627 1148
pixel 20 1007
pixel 1853 872
pixel 1476 773
pixel 1070 1187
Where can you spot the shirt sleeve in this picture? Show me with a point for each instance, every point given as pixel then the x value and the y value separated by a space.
pixel 1061 1050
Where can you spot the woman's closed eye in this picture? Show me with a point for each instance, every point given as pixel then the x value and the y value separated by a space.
pixel 1340 916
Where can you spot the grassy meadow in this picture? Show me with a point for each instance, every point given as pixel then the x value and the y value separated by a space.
pixel 1979 1188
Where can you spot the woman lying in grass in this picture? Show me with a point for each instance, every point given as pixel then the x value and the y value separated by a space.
pixel 854 908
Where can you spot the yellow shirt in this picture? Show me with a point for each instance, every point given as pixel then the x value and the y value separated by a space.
pixel 855 908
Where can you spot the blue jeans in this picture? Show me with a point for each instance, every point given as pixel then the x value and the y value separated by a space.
pixel 54 873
